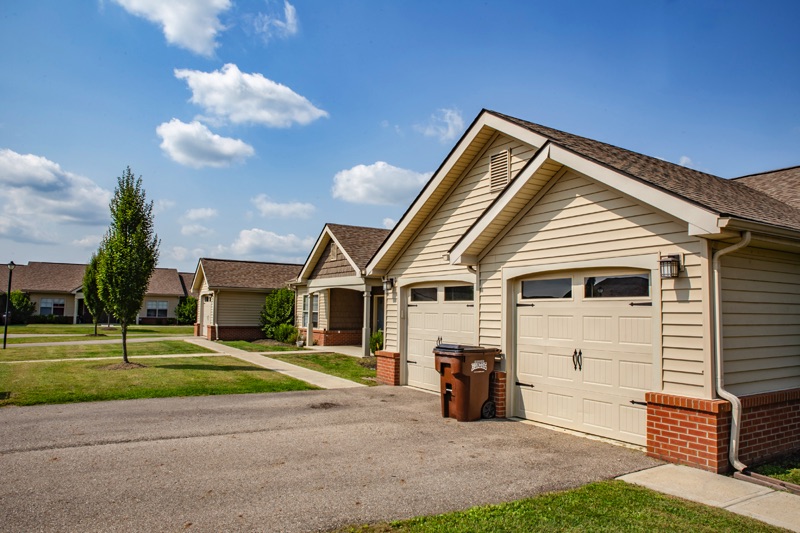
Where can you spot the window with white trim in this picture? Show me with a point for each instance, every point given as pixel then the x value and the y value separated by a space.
pixel 156 309
pixel 52 306
pixel 314 311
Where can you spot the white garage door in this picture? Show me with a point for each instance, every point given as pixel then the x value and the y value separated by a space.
pixel 584 352
pixel 436 314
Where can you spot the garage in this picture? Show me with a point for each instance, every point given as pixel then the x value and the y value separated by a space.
pixel 584 352
pixel 437 313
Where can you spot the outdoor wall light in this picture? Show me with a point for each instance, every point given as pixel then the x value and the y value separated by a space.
pixel 388 283
pixel 670 266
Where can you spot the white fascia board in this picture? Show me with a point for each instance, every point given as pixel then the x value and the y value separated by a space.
pixel 702 219
pixel 457 254
pixel 199 275
pixel 734 224
pixel 313 257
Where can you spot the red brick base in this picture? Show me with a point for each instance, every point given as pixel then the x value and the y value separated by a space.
pixel 388 367
pixel 234 333
pixel 197 329
pixel 497 392
pixel 338 337
pixel 697 432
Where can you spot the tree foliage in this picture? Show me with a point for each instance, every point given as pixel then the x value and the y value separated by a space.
pixel 278 309
pixel 21 308
pixel 186 310
pixel 129 253
pixel 91 292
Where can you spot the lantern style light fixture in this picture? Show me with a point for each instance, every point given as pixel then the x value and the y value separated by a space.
pixel 670 266
pixel 388 283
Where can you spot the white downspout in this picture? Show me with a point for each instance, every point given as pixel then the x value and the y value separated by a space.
pixel 736 404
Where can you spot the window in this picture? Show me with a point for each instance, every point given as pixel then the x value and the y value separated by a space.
pixel 156 309
pixel 462 293
pixel 314 311
pixel 623 286
pixel 547 288
pixel 51 306
pixel 427 294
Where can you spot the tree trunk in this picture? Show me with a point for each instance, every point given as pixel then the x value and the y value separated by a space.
pixel 95 326
pixel 124 325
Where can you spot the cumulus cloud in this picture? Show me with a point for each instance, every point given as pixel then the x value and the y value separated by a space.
pixel 39 196
pixel 445 125
pixel 190 219
pixel 196 230
pixel 200 213
pixel 379 183
pixel 270 25
pixel 268 208
pixel 190 24
pixel 194 145
pixel 685 161
pixel 162 205
pixel 259 241
pixel 232 95
pixel 389 223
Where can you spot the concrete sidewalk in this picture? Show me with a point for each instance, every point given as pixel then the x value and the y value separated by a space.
pixel 114 340
pixel 319 379
pixel 774 507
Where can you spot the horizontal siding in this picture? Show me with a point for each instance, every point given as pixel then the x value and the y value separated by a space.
pixel 579 220
pixel 239 308
pixel 172 303
pixel 761 320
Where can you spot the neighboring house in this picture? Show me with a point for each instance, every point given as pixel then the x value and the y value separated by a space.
pixel 57 289
pixel 186 280
pixel 550 247
pixel 231 295
pixel 332 291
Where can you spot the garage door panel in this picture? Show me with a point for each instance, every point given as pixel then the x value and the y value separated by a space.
pixel 530 403
pixel 433 321
pixel 560 366
pixel 416 319
pixel 599 414
pixel 636 330
pixel 531 364
pixel 598 329
pixel 531 327
pixel 561 327
pixel 598 371
pixel 635 375
pixel 633 423
pixel 561 406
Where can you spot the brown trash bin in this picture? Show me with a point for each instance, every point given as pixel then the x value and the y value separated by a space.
pixel 464 373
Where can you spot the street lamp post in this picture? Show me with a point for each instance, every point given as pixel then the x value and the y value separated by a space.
pixel 11 266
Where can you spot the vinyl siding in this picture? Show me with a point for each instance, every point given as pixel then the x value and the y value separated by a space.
pixel 581 220
pixel 239 308
pixel 323 307
pixel 458 211
pixel 172 302
pixel 761 320
pixel 69 301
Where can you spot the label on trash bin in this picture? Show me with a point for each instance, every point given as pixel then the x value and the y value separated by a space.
pixel 479 366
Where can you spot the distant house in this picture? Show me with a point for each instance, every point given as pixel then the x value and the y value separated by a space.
pixel 57 289
pixel 336 301
pixel 186 280
pixel 231 295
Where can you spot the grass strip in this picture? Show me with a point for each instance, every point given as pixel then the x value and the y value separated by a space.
pixel 88 381
pixel 335 364
pixel 603 506
pixel 786 468
pixel 36 353
pixel 258 347
pixel 88 329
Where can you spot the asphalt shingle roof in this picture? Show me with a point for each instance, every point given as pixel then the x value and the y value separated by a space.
pixel 225 273
pixel 782 184
pixel 359 242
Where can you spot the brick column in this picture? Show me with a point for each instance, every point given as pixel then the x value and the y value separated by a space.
pixel 196 329
pixel 497 392
pixel 388 367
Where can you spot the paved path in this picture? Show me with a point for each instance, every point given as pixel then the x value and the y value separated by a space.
pixel 116 340
pixel 292 462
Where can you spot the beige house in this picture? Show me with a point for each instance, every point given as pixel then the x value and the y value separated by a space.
pixel 56 289
pixel 632 298
pixel 231 295
pixel 333 292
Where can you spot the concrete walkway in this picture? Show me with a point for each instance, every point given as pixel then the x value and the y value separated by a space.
pixel 112 340
pixel 319 379
pixel 777 508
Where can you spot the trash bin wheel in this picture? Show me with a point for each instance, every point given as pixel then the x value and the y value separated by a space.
pixel 488 410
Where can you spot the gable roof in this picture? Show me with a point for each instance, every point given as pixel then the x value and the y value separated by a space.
pixel 186 280
pixel 255 275
pixel 358 243
pixel 165 282
pixel 782 184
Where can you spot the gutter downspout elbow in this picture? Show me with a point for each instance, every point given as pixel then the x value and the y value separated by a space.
pixel 736 404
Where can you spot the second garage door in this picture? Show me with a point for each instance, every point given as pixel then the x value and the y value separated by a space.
pixel 584 352
pixel 436 313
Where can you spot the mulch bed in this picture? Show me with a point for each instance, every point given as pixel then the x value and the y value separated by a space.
pixel 123 366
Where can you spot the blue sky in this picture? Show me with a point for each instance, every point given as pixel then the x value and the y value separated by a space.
pixel 252 123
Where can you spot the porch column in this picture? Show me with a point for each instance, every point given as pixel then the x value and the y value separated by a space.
pixel 366 331
pixel 310 324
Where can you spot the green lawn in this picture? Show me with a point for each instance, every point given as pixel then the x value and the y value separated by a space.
pixel 86 381
pixel 335 364
pixel 33 353
pixel 257 347
pixel 603 506
pixel 786 468
pixel 87 329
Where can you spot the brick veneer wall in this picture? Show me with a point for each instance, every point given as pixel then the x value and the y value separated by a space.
pixel 234 333
pixel 497 392
pixel 770 425
pixel 197 329
pixel 337 337
pixel 388 367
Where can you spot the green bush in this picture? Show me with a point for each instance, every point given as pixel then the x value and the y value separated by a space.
pixel 21 308
pixel 49 319
pixel 278 309
pixel 376 341
pixel 186 310
pixel 286 333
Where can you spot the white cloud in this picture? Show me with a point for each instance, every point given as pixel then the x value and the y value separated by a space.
pixel 270 25
pixel 190 218
pixel 268 208
pixel 192 230
pixel 685 161
pixel 89 241
pixel 259 241
pixel 389 223
pixel 379 183
pixel 200 213
pixel 39 197
pixel 229 94
pixel 190 24
pixel 194 145
pixel 180 253
pixel 445 125
pixel 162 205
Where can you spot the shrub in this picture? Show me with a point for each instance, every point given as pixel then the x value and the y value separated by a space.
pixel 21 307
pixel 49 319
pixel 278 309
pixel 286 333
pixel 376 341
pixel 186 310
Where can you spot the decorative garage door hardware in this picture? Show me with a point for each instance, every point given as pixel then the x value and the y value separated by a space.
pixel 641 304
pixel 520 384
pixel 412 305
pixel 526 305
pixel 577 360
pixel 412 362
pixel 634 402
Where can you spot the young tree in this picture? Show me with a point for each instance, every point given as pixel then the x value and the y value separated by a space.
pixel 186 310
pixel 91 294
pixel 130 253
pixel 278 309
pixel 22 308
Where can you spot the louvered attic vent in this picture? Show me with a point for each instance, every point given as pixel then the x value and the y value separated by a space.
pixel 499 168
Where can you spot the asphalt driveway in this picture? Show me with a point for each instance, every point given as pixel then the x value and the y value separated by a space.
pixel 298 461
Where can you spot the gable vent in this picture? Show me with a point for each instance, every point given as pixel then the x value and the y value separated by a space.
pixel 499 169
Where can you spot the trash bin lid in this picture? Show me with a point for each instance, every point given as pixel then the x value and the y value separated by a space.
pixel 460 349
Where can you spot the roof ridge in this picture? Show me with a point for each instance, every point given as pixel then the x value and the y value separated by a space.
pixel 765 172
pixel 248 261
